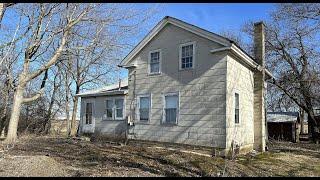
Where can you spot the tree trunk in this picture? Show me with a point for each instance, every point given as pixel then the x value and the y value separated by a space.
pixel 74 117
pixel 15 114
pixel 47 124
pixel 67 105
pixel 314 126
pixel 67 116
pixel 302 121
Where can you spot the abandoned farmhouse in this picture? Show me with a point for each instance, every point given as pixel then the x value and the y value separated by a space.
pixel 185 85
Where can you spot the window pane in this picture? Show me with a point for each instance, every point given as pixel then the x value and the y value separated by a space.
pixel 109 104
pixel 87 118
pixel 154 67
pixel 236 100
pixel 109 113
pixel 119 103
pixel 144 108
pixel 89 108
pixel 236 108
pixel 187 56
pixel 88 113
pixel 155 56
pixel 144 114
pixel 237 116
pixel 171 115
pixel 171 101
pixel 119 112
pixel 171 106
pixel 144 102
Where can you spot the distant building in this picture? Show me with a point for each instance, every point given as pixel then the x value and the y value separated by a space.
pixel 285 125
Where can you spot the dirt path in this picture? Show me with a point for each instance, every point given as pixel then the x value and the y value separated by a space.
pixel 66 157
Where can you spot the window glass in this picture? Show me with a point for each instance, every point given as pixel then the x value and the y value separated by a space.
pixel 236 108
pixel 171 108
pixel 155 62
pixel 119 108
pixel 89 113
pixel 109 104
pixel 187 56
pixel 144 108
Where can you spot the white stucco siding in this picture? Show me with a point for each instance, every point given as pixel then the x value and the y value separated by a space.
pixel 101 125
pixel 202 91
pixel 239 80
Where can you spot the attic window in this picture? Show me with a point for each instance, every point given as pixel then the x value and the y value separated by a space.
pixel 154 62
pixel 187 52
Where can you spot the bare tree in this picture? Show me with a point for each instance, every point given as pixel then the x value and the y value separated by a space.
pixel 293 55
pixel 95 51
pixel 93 36
pixel 49 25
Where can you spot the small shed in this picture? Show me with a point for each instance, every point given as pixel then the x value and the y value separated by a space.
pixel 282 125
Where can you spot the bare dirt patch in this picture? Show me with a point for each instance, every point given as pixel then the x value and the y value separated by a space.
pixel 34 166
pixel 70 157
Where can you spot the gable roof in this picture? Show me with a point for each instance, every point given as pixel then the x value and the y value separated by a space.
pixel 186 26
pixel 227 43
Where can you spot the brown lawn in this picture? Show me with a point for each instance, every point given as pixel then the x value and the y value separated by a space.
pixel 48 156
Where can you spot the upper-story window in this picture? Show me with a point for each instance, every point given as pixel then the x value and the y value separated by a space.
pixel 155 62
pixel 187 52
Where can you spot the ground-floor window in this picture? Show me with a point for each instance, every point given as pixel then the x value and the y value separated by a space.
pixel 236 109
pixel 114 108
pixel 171 108
pixel 89 113
pixel 119 108
pixel 144 107
pixel 109 110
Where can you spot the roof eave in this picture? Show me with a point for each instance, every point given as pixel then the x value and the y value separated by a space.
pixel 247 59
pixel 121 92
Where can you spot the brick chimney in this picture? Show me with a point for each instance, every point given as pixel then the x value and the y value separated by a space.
pixel 259 88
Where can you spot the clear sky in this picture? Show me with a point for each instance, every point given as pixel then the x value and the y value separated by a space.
pixel 217 16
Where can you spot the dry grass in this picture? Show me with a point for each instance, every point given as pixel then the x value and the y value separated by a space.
pixel 71 157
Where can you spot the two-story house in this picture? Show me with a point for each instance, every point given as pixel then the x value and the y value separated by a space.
pixel 185 85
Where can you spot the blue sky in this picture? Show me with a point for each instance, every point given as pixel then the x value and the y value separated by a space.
pixel 215 17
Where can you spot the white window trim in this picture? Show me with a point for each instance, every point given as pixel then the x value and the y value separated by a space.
pixel 193 55
pixel 163 121
pixel 138 107
pixel 123 109
pixel 93 113
pixel 114 116
pixel 149 62
pixel 105 104
pixel 234 108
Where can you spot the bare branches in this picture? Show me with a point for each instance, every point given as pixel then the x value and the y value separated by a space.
pixel 293 53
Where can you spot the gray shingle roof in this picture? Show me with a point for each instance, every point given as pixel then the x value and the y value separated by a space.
pixel 282 116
